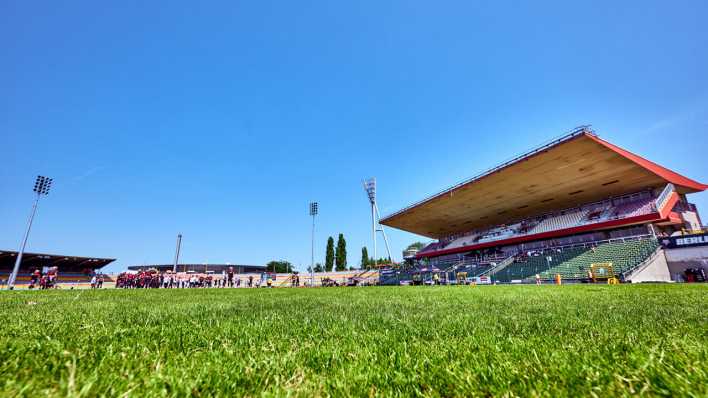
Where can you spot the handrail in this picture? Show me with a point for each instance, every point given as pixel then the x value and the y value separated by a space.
pixel 508 261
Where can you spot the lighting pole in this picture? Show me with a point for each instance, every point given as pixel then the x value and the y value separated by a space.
pixel 41 187
pixel 314 207
pixel 370 188
pixel 179 244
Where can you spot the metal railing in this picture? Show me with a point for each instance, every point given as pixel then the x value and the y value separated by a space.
pixel 509 260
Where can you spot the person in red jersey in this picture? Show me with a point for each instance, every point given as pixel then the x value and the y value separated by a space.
pixel 230 277
pixel 52 275
pixel 34 279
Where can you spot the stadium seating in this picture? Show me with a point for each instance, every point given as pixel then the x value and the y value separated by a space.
pixel 537 263
pixel 464 240
pixel 633 209
pixel 431 247
pixel 574 263
pixel 561 221
pixel 630 206
pixel 624 256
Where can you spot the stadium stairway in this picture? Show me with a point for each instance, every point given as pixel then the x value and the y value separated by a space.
pixel 370 276
pixel 498 267
pixel 286 282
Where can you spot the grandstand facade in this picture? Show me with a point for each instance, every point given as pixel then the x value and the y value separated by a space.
pixel 71 268
pixel 556 210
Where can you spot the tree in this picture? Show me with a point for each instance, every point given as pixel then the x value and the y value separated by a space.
pixel 281 266
pixel 329 255
pixel 416 245
pixel 364 258
pixel 341 254
pixel 319 267
pixel 380 261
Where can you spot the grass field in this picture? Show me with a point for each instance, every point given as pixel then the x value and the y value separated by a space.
pixel 430 341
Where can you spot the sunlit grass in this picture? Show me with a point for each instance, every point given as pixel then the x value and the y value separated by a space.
pixel 435 341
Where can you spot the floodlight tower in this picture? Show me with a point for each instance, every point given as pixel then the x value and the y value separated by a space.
pixel 370 188
pixel 314 208
pixel 179 245
pixel 41 187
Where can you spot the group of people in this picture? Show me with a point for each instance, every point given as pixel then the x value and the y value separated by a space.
pixel 97 281
pixel 44 280
pixel 168 280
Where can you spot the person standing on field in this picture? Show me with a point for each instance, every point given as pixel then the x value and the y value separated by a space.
pixel 230 277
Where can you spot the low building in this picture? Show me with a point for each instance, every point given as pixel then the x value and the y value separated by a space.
pixel 71 268
pixel 202 268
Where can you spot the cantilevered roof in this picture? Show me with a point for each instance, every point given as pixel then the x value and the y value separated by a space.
pixel 39 260
pixel 576 169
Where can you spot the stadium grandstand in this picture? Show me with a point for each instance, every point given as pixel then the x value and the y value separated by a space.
pixel 559 209
pixel 72 269
pixel 202 268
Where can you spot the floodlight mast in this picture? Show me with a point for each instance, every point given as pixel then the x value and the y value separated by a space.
pixel 41 187
pixel 370 188
pixel 314 209
pixel 179 245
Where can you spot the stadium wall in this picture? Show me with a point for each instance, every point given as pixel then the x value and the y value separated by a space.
pixel 679 260
pixel 655 269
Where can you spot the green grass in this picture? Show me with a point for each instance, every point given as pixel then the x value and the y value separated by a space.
pixel 427 341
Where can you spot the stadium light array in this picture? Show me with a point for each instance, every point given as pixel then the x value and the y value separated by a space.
pixel 41 187
pixel 314 207
pixel 370 188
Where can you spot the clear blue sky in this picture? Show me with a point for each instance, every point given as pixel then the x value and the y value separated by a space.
pixel 223 120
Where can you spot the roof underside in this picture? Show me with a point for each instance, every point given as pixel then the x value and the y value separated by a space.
pixel 38 260
pixel 577 170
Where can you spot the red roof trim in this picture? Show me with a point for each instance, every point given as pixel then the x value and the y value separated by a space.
pixel 668 207
pixel 544 235
pixel 663 172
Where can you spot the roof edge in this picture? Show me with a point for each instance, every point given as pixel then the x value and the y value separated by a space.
pixel 59 255
pixel 579 131
pixel 661 171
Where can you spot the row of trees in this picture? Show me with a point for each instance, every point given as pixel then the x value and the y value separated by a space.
pixel 369 262
pixel 336 258
pixel 281 266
